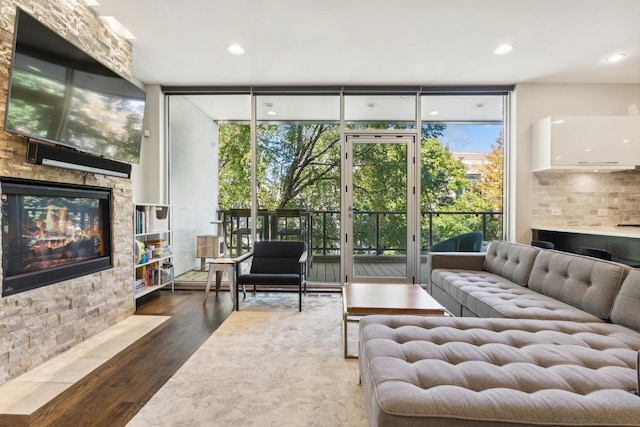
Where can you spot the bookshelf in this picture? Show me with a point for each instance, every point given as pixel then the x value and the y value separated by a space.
pixel 152 255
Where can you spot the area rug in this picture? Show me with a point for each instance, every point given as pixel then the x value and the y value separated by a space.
pixel 266 365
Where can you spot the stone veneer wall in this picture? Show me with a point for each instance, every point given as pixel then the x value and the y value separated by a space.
pixel 580 196
pixel 38 324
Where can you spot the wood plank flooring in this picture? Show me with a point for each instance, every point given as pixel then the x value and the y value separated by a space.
pixel 115 392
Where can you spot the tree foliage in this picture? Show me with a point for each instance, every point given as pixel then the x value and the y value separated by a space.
pixel 443 176
pixel 299 166
pixel 485 195
pixel 489 186
pixel 234 166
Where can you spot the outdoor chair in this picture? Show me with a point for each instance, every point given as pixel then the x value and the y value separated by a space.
pixel 594 253
pixel 237 230
pixel 468 242
pixel 290 224
pixel 276 263
pixel 543 244
pixel 293 224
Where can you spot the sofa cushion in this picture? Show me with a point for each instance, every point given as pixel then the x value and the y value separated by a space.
pixel 488 295
pixel 419 371
pixel 512 261
pixel 626 308
pixel 583 282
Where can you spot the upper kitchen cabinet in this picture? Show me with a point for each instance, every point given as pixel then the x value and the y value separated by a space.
pixel 586 143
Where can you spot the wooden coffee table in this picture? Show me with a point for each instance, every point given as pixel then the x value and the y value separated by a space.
pixel 362 299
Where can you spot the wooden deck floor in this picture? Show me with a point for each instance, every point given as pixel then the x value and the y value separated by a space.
pixel 327 272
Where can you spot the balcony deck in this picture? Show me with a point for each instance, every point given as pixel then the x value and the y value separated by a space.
pixel 325 271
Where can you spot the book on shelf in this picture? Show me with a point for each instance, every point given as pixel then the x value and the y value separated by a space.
pixel 140 286
pixel 142 224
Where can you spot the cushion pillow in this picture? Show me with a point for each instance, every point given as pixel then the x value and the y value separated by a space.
pixel 626 308
pixel 512 261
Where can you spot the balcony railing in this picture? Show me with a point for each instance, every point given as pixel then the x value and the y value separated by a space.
pixel 382 232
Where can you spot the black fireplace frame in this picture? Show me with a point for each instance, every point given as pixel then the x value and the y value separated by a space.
pixel 31 280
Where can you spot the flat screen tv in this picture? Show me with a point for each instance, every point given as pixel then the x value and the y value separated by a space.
pixel 60 94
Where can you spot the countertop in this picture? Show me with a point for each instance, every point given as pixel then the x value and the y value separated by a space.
pixel 633 232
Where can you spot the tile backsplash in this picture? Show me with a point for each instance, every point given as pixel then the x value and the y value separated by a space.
pixel 586 199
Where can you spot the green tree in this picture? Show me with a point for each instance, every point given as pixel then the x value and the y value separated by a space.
pixel 443 176
pixel 234 171
pixel 485 195
pixel 491 176
pixel 299 166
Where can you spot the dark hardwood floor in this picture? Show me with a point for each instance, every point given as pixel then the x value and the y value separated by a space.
pixel 116 391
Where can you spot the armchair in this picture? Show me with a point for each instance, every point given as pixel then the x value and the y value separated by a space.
pixel 468 242
pixel 276 263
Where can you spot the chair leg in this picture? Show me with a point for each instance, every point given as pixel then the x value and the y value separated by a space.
pixel 300 297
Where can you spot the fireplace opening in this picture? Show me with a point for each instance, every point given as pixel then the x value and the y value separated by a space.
pixel 52 232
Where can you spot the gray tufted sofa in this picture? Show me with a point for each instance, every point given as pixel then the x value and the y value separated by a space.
pixel 557 345
pixel 519 281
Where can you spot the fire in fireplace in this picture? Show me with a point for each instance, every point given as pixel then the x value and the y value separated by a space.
pixel 52 232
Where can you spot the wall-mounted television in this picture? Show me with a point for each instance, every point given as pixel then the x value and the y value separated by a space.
pixel 60 94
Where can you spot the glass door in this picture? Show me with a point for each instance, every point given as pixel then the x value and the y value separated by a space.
pixel 378 206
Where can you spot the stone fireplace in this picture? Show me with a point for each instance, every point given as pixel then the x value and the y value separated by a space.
pixel 37 324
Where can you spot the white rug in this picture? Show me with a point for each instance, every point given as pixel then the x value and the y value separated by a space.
pixel 267 365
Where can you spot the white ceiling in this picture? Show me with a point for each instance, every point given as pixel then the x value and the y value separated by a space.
pixel 376 42
pixel 358 108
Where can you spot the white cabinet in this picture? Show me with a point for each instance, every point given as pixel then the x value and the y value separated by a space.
pixel 585 143
pixel 153 268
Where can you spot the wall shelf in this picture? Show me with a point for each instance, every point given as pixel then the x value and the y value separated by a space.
pixel 153 268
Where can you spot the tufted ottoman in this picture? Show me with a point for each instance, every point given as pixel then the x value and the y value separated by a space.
pixel 419 371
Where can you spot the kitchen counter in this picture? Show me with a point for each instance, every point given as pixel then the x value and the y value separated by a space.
pixel 633 232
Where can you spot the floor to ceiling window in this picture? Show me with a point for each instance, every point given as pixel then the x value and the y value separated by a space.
pixel 462 163
pixel 293 144
pixel 298 175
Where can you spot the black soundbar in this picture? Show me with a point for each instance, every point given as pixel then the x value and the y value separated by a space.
pixel 52 155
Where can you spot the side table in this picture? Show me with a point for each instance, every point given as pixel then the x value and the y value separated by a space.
pixel 219 266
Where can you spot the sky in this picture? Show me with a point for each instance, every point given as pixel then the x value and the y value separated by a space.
pixel 471 137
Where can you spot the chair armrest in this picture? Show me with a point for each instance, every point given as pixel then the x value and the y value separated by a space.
pixel 243 257
pixel 303 258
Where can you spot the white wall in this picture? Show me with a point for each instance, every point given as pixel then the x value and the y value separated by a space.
pixel 193 179
pixel 149 178
pixel 532 102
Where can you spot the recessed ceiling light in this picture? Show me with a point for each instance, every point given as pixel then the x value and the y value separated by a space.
pixel 503 48
pixel 271 113
pixel 434 113
pixel 616 57
pixel 236 49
